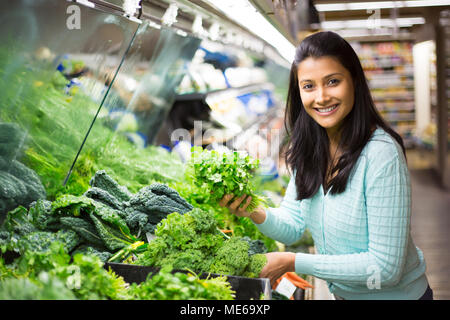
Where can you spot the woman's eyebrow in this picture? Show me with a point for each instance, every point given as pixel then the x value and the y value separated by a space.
pixel 327 76
pixel 333 74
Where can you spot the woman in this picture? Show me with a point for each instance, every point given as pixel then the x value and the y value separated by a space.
pixel 349 186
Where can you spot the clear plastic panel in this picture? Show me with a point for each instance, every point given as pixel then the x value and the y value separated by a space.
pixel 137 106
pixel 57 61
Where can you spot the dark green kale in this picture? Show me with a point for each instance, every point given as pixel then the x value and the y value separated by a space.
pixel 34 188
pixel 41 241
pixel 255 246
pixel 103 181
pixel 112 238
pixel 157 201
pixel 137 221
pixel 12 192
pixel 85 229
pixel 19 222
pixel 104 197
pixel 41 214
pixel 101 253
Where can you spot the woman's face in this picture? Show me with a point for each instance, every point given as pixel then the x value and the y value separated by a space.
pixel 326 90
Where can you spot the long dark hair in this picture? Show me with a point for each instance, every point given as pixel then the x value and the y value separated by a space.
pixel 308 149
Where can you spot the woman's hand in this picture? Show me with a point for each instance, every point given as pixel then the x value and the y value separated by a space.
pixel 278 263
pixel 239 207
pixel 235 206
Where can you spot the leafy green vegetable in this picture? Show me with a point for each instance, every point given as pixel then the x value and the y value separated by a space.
pixel 90 281
pixel 40 241
pixel 257 263
pixel 83 275
pixel 103 181
pixel 157 201
pixel 181 286
pixel 84 229
pixel 193 241
pixel 219 174
pixel 226 220
pixel 231 258
pixel 45 288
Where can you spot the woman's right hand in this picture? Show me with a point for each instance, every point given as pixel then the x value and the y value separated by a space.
pixel 239 206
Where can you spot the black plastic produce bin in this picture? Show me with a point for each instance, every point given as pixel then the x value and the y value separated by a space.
pixel 245 288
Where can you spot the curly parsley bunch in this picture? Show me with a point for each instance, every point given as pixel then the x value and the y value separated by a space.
pixel 218 174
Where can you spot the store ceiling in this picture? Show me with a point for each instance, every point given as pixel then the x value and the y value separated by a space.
pixel 362 24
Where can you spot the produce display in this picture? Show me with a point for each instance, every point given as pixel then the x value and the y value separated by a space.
pixel 109 223
pixel 122 203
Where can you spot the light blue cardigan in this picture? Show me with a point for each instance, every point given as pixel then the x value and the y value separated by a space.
pixel 362 236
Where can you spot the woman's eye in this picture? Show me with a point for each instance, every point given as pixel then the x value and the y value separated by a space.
pixel 333 81
pixel 307 86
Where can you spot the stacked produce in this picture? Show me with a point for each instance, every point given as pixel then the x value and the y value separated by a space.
pixel 54 275
pixel 136 213
pixel 106 220
pixel 193 241
pixel 109 223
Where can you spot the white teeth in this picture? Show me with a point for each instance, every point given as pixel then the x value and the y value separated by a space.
pixel 328 109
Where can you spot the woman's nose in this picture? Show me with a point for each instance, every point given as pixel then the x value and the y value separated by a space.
pixel 322 97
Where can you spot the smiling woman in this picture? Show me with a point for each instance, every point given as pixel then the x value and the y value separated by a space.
pixel 349 185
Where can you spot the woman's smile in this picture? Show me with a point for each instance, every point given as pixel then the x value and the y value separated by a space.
pixel 328 110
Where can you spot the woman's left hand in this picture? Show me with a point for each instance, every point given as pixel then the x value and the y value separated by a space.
pixel 278 263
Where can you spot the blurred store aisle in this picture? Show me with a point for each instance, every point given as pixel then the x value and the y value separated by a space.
pixel 430 226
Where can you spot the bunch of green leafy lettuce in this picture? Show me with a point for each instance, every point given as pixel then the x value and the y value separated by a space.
pixel 219 174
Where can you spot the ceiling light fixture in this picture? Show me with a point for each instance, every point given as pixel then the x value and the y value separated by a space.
pixel 246 15
pixel 380 5
pixel 363 23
